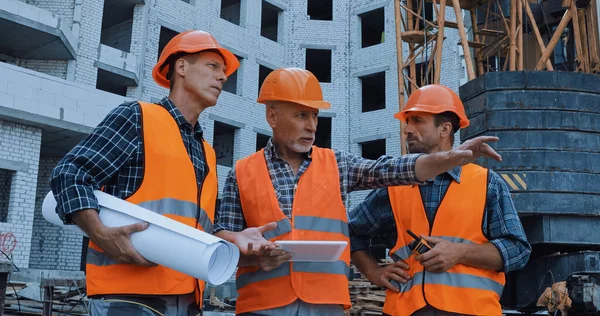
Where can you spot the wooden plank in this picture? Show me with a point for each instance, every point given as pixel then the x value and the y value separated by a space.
pixel 490 32
pixel 399 61
pixel 449 24
pixel 439 46
pixel 513 36
pixel 473 44
pixel 536 31
pixel 463 39
pixel 414 36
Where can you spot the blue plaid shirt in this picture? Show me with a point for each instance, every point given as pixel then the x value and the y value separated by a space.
pixel 112 156
pixel 356 173
pixel 501 224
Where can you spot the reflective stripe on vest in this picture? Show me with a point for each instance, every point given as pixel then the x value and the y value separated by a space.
pixel 181 208
pixel 326 225
pixel 284 226
pixel 318 213
pixel 457 220
pixel 338 267
pixel 404 252
pixel 170 188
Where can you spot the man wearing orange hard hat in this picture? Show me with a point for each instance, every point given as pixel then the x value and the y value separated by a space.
pixel 299 190
pixel 152 155
pixel 466 215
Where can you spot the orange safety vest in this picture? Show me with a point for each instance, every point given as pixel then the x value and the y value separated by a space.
pixel 169 188
pixel 318 213
pixel 462 289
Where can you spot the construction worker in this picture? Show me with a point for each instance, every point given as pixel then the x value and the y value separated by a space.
pixel 152 155
pixel 465 214
pixel 303 188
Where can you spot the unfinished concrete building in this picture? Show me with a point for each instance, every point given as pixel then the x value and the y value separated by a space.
pixel 67 63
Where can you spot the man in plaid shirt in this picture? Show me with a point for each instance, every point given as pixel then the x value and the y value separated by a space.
pixel 293 98
pixel 493 243
pixel 140 152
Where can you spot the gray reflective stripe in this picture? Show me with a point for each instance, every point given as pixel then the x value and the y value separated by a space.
pixel 415 280
pixel 205 222
pixel 455 239
pixel 252 277
pixel 402 253
pixel 284 226
pixel 327 225
pixel 181 208
pixel 98 258
pixel 465 281
pixel 405 252
pixel 172 206
pixel 337 267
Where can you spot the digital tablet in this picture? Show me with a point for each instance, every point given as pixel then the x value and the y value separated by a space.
pixel 313 250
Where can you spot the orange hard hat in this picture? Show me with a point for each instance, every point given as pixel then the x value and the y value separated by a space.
pixel 191 42
pixel 293 85
pixel 434 99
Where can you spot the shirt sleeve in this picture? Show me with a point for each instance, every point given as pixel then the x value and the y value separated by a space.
pixel 372 217
pixel 230 216
pixel 504 228
pixel 365 174
pixel 95 160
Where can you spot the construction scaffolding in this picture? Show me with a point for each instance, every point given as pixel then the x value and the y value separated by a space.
pixel 505 35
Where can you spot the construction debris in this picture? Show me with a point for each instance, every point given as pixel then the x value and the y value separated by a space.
pixel 366 298
pixel 556 298
pixel 65 300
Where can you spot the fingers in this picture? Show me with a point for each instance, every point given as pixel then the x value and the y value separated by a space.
pixel 249 249
pixel 400 275
pixel 275 252
pixel 488 151
pixel 401 264
pixel 431 240
pixel 436 268
pixel 427 255
pixel 390 287
pixel 271 263
pixel 267 227
pixel 260 251
pixel 134 228
pixel 401 278
pixel 485 139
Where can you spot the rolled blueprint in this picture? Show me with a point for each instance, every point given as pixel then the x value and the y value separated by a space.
pixel 165 241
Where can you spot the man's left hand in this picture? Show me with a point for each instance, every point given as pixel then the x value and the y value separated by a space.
pixel 442 257
pixel 250 241
pixel 472 149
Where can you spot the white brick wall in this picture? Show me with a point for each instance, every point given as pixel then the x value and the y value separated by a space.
pixel 56 68
pixel 41 89
pixel 52 247
pixel 118 58
pixel 62 8
pixel 89 39
pixel 48 96
pixel 20 143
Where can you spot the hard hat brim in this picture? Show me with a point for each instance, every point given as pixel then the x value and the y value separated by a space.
pixel 464 122
pixel 231 64
pixel 321 105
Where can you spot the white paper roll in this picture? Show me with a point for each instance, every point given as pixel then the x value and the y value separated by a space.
pixel 165 242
